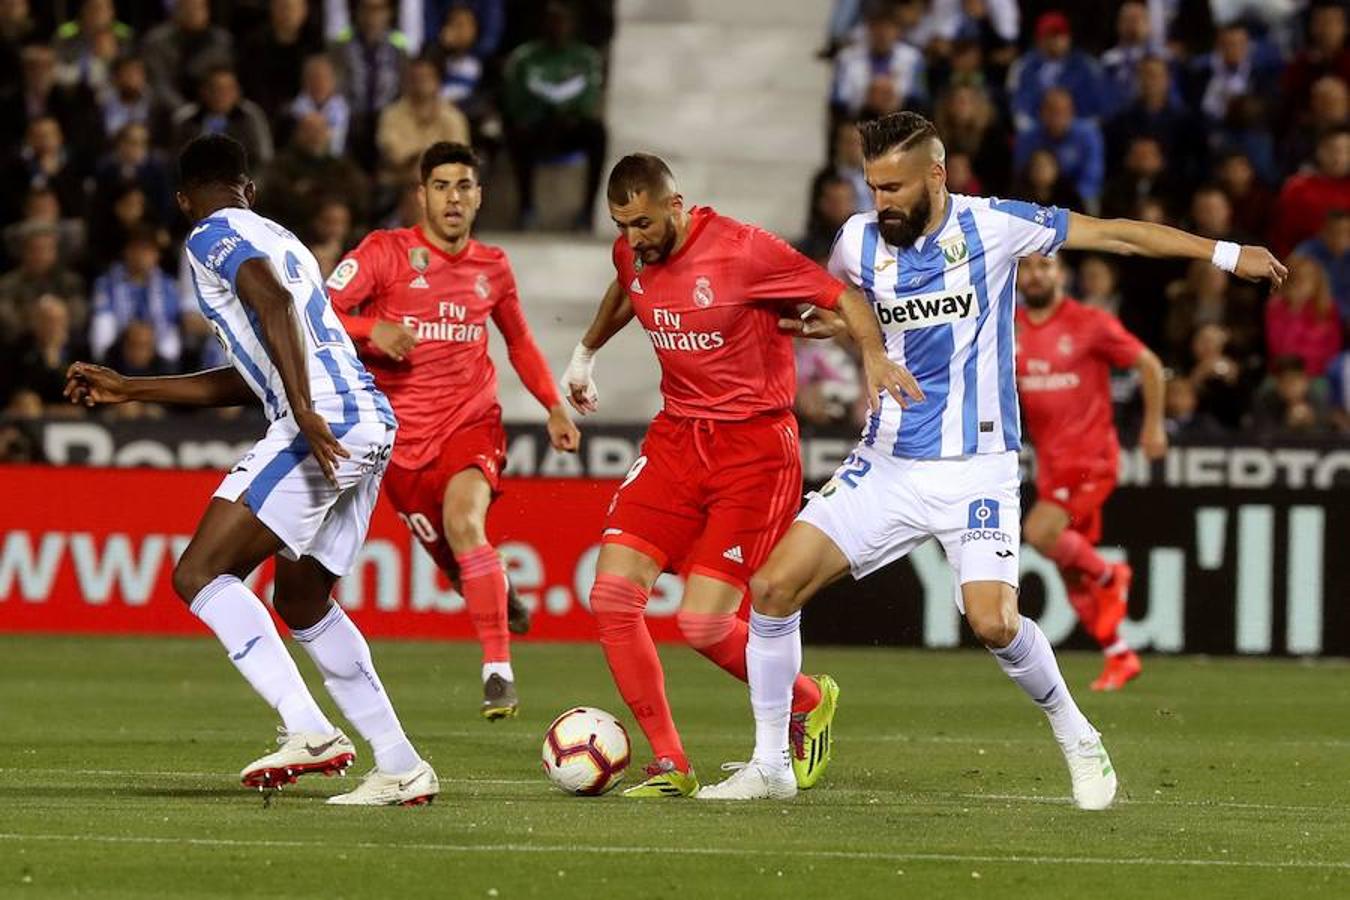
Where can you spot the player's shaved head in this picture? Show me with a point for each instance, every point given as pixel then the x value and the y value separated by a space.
pixel 212 174
pixel 639 173
pixel 906 167
pixel 646 206
pixel 901 132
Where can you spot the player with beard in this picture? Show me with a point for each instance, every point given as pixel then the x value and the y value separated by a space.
pixel 939 270
pixel 419 300
pixel 1065 353
pixel 719 475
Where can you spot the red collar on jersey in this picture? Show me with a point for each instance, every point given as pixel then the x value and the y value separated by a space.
pixel 699 216
pixel 448 257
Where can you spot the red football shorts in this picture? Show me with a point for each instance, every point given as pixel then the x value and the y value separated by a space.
pixel 710 497
pixel 418 495
pixel 1080 492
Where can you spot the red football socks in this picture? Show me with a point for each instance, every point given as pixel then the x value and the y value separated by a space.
pixel 1075 552
pixel 722 638
pixel 483 584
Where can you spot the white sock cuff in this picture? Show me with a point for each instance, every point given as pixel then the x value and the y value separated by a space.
pixel 1017 651
pixel 765 626
pixel 208 593
pixel 334 615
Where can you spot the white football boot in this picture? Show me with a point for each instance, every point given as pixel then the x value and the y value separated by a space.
pixel 1094 778
pixel 752 781
pixel 414 788
pixel 301 753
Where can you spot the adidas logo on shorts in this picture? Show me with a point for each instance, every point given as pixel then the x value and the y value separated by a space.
pixel 734 554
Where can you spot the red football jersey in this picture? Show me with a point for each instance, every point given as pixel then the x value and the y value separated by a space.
pixel 1063 375
pixel 711 310
pixel 448 379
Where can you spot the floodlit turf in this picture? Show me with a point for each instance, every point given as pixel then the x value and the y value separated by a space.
pixel 118 761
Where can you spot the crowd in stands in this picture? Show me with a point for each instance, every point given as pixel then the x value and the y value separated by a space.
pixel 1227 118
pixel 333 101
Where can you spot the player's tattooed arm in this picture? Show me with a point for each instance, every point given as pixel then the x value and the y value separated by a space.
pixel 1128 237
pixel 1152 433
pixel 259 289
pixel 616 311
pixel 880 372
pixel 91 385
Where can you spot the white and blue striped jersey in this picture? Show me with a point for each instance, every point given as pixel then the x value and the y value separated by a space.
pixel 340 388
pixel 945 306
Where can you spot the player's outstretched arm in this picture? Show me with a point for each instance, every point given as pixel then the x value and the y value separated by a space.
pixel 616 311
pixel 1128 237
pixel 1152 433
pixel 259 289
pixel 879 370
pixel 91 385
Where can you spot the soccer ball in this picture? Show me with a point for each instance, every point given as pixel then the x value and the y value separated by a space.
pixel 586 751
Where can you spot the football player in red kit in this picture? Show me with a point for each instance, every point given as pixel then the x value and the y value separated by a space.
pixel 1065 353
pixel 719 475
pixel 419 300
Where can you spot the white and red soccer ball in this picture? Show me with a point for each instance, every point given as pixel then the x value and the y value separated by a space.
pixel 586 751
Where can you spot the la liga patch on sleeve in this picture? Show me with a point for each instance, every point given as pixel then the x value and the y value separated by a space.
pixel 343 274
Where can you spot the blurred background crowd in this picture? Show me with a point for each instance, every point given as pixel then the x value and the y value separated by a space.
pixel 1225 117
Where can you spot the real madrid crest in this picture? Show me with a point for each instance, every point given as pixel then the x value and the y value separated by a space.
pixel 481 286
pixel 703 292
pixel 420 260
pixel 1065 345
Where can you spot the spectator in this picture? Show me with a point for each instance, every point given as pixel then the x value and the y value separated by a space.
pixel 1097 284
pixel 882 55
pixel 275 53
pixel 40 97
pixel 461 70
pixel 1245 130
pixel 1042 182
pixel 223 110
pixel 1144 175
pixel 489 18
pixel 17 29
pixel 961 178
pixel 1054 64
pixel 1120 64
pixel 127 99
pixel 307 172
pixel 181 53
pixel 136 290
pixel 1328 107
pixel 370 63
pixel 847 163
pixel 1156 111
pixel 129 212
pixel 829 389
pixel 85 46
pixel 39 273
pixel 1302 319
pixel 331 234
pixel 132 162
pixel 552 95
pixel 1076 144
pixel 44 162
pixel 1220 386
pixel 319 94
pixel 969 124
pixel 41 208
pixel 1308 196
pixel 1252 201
pixel 43 359
pixel 135 355
pixel 1287 405
pixel 832 202
pixel 1207 296
pixel 1184 420
pixel 419 118
pixel 1331 248
pixel 1212 215
pixel 1232 70
pixel 1338 384
pixel 1324 54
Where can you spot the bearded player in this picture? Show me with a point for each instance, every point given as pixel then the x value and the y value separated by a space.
pixel 420 298
pixel 1065 353
pixel 719 475
pixel 940 269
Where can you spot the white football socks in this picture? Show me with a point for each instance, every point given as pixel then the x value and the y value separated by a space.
pixel 773 659
pixel 343 656
pixel 498 668
pixel 1030 662
pixel 245 627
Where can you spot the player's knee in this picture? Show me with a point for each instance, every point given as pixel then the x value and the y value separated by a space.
pixel 702 630
pixel 773 594
pixel 464 529
pixel 1040 534
pixel 995 628
pixel 616 603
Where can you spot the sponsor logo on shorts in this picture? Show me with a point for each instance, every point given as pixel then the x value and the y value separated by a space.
pixel 983 513
pixel 926 310
pixel 986 534
pixel 734 554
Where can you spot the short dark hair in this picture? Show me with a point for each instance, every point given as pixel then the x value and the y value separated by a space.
pixel 443 152
pixel 896 131
pixel 212 159
pixel 639 173
pixel 1287 363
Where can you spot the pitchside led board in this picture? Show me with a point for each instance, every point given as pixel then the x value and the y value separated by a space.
pixel 1236 549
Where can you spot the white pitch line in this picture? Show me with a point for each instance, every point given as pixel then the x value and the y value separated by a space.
pixel 1159 801
pixel 788 852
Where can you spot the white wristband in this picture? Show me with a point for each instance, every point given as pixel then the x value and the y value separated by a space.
pixel 582 356
pixel 1226 255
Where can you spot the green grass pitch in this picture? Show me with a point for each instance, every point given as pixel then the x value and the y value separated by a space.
pixel 118 761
